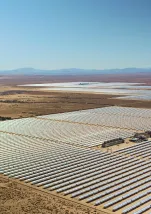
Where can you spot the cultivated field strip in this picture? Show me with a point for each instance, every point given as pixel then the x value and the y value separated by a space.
pixel 116 182
pixel 71 133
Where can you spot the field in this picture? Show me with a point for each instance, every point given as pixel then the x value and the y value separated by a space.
pixel 76 139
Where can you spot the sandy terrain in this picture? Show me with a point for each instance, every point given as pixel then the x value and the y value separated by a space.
pixel 19 102
pixel 22 102
pixel 16 198
pixel 115 148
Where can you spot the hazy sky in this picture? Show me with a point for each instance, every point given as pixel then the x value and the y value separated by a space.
pixel 54 34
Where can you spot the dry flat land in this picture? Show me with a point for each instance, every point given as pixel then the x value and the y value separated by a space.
pixel 17 102
pixel 21 102
pixel 16 198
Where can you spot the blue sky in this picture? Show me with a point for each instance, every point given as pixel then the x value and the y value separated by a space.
pixel 54 34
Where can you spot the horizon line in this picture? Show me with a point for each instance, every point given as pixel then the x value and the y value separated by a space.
pixel 59 69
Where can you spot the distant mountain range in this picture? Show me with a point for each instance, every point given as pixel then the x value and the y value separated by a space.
pixel 73 71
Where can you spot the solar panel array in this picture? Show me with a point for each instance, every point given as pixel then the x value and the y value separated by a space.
pixel 141 150
pixel 112 181
pixel 117 117
pixel 53 152
pixel 112 110
pixel 61 131
pixel 85 128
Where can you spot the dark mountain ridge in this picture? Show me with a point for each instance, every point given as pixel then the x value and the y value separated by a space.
pixel 73 71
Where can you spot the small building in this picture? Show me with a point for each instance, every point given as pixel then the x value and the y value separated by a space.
pixel 112 142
